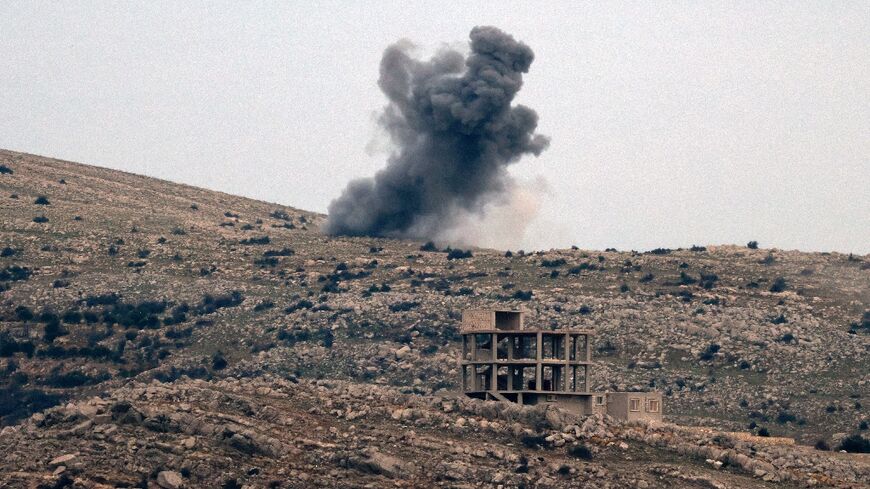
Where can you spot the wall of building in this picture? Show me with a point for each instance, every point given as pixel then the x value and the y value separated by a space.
pixel 580 405
pixel 477 319
pixel 618 405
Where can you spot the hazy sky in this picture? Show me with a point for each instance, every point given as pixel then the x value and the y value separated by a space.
pixel 672 123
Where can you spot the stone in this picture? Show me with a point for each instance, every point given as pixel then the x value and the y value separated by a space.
pixel 63 460
pixel 377 462
pixel 169 480
pixel 403 352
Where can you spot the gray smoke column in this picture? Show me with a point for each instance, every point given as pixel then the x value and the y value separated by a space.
pixel 455 133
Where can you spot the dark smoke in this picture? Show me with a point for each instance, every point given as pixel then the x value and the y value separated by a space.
pixel 455 133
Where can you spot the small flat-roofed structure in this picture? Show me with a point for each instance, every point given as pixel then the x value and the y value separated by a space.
pixel 633 406
pixel 504 359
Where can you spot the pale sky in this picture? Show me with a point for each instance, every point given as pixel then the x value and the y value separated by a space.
pixel 672 123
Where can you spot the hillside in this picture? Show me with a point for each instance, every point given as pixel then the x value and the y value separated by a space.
pixel 175 332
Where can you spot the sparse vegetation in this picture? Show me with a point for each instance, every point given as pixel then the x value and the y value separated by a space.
pixel 779 285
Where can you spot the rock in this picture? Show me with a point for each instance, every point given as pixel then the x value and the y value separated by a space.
pixel 376 462
pixel 403 352
pixel 169 480
pixel 62 460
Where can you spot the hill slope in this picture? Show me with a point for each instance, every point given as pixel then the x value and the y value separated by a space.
pixel 235 308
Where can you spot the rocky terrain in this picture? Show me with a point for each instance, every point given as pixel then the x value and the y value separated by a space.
pixel 155 334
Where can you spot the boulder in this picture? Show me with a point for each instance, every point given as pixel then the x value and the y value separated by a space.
pixel 169 480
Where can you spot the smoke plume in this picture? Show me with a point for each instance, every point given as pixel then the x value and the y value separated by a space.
pixel 454 131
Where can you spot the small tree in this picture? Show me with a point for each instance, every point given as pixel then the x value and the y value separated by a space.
pixel 752 245
pixel 218 362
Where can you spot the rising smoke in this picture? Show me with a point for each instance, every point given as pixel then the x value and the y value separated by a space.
pixel 454 131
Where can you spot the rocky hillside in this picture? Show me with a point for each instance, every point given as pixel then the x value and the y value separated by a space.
pixel 156 333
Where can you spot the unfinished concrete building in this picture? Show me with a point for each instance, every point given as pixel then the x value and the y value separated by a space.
pixel 503 359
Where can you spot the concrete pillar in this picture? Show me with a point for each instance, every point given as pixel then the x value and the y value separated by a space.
pixel 538 366
pixel 493 385
pixel 588 348
pixel 567 350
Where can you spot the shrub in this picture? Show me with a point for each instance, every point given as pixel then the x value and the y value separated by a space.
pixel 685 279
pixel 429 246
pixel 14 273
pixel 23 313
pixel 281 252
pixel 41 200
pixel 696 248
pixel 177 315
pixel 404 306
pixel 17 404
pixel 580 451
pixel 553 263
pixel 787 338
pixel 779 285
pixel 752 245
pixel 822 445
pixel 785 417
pixel 72 317
pixel 256 241
pixel 102 300
pixel 141 316
pixel 218 362
pixel 279 214
pixel 9 347
pixel 458 254
pixel 328 337
pixel 623 288
pixel 211 303
pixel 522 295
pixel 5 170
pixel 7 251
pixel 647 278
pixel 708 280
pixel 534 441
pixel 40 219
pixel 262 306
pixel 710 351
pixel 763 432
pixel 660 251
pixel 855 444
pixel 780 320
pixel 73 379
pixel 302 304
pixel 53 330
pixel 266 262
